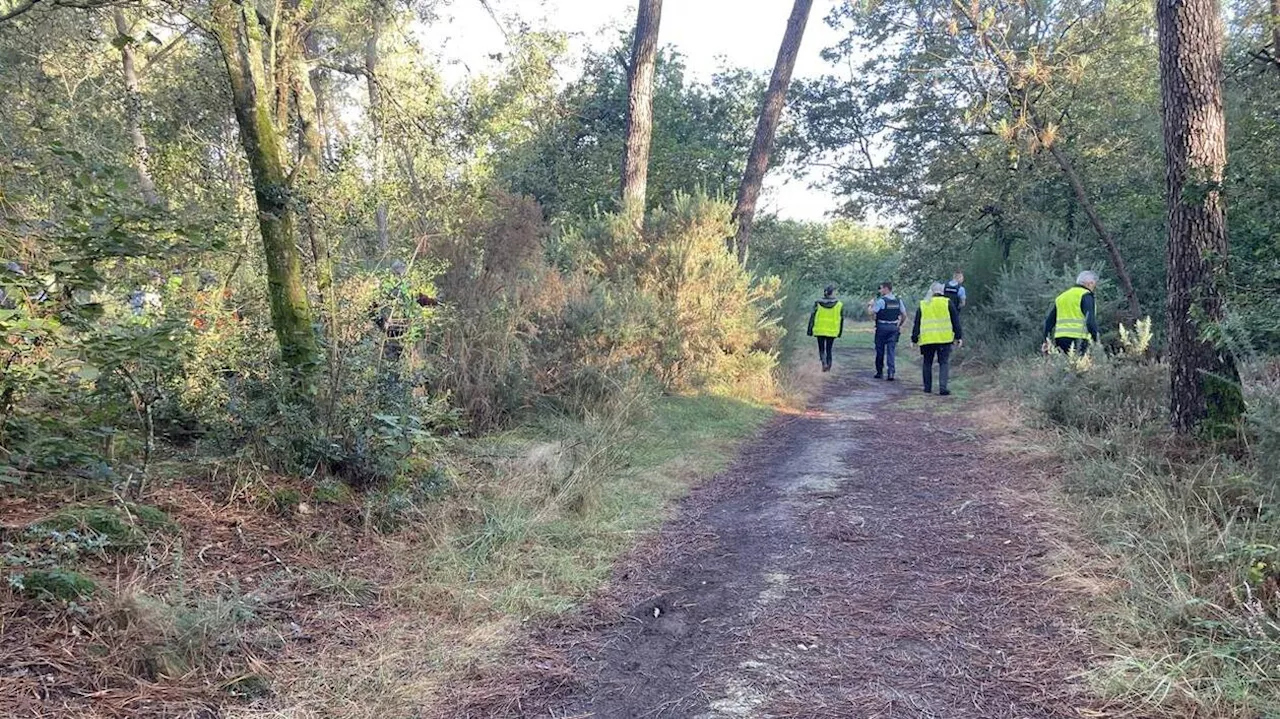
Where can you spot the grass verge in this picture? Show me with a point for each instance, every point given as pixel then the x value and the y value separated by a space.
pixel 532 530
pixel 1183 551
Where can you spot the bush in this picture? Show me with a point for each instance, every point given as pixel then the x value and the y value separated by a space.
pixel 1010 323
pixel 53 585
pixel 673 303
pixel 1095 394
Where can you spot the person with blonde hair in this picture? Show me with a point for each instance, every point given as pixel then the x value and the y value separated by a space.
pixel 937 330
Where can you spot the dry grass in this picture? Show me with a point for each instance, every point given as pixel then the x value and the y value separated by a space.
pixel 271 603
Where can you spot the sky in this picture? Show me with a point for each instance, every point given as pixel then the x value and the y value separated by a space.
pixel 709 33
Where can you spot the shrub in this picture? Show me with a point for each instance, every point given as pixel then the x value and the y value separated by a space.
pixel 1095 396
pixel 53 585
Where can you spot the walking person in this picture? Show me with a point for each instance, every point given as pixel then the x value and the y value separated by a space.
pixel 826 322
pixel 890 314
pixel 954 290
pixel 936 331
pixel 1073 321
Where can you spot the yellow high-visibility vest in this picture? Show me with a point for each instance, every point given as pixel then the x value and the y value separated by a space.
pixel 935 322
pixel 1071 320
pixel 826 323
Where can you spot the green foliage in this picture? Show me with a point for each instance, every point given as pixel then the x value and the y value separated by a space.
pixel 1103 394
pixel 702 133
pixel 854 258
pixel 59 585
pixel 672 303
pixel 389 508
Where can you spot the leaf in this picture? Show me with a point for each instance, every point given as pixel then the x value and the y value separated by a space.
pixel 120 42
pixel 89 373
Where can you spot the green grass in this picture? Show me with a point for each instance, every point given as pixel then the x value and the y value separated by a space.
pixel 526 559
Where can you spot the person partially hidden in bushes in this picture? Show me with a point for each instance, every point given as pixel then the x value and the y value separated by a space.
pixel 390 312
pixel 890 314
pixel 1073 320
pixel 937 331
pixel 826 322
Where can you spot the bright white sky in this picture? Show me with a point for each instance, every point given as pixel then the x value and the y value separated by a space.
pixel 709 33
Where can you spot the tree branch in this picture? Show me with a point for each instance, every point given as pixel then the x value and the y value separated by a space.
pixel 24 7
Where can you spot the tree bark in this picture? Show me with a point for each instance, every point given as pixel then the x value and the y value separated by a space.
pixel 133 109
pixel 635 161
pixel 1108 242
pixel 375 122
pixel 775 99
pixel 307 177
pixel 239 36
pixel 1204 383
pixel 1275 33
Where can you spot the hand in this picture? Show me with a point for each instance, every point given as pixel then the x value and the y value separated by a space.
pixel 959 344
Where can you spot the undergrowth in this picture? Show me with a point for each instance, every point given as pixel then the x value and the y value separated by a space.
pixel 1186 529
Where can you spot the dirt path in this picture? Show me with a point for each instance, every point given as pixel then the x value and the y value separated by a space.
pixel 864 559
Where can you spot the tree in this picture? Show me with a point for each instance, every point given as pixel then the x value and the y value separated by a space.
pixel 635 160
pixel 770 111
pixel 1204 383
pixel 968 98
pixel 133 106
pixel 240 38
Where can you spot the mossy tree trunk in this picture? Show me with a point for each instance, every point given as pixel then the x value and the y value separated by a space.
pixel 239 36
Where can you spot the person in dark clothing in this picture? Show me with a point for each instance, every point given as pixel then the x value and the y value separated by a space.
pixel 1073 321
pixel 890 314
pixel 954 290
pixel 826 322
pixel 937 330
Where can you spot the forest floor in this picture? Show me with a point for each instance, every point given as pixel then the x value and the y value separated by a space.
pixel 881 554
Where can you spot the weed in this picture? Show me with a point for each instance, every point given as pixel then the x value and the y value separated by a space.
pixel 53 585
pixel 1189 532
pixel 107 522
pixel 332 491
pixel 180 634
pixel 340 585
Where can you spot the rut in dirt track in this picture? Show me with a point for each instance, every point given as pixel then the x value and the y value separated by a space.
pixel 864 559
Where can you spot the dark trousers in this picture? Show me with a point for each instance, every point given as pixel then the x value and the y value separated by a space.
pixel 943 355
pixel 887 349
pixel 824 350
pixel 1064 345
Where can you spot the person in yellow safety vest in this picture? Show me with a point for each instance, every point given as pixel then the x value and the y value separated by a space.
pixel 1072 321
pixel 826 322
pixel 936 331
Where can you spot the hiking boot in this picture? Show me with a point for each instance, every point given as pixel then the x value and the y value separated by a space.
pixel 880 376
pixel 889 378
pixel 945 393
pixel 927 390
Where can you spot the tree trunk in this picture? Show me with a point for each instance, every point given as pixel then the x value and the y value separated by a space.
pixel 770 113
pixel 1204 383
pixel 635 161
pixel 1275 33
pixel 133 109
pixel 375 122
pixel 239 36
pixel 307 177
pixel 1108 242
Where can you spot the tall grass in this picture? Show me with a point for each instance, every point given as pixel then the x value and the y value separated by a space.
pixel 1187 535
